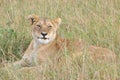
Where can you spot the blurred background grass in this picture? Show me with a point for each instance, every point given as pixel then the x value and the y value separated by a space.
pixel 95 21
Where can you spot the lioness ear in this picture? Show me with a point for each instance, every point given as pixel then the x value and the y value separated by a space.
pixel 58 21
pixel 33 18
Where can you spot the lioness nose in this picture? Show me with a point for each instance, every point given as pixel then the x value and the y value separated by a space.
pixel 44 33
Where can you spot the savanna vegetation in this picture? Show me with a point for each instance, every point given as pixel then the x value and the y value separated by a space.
pixel 97 22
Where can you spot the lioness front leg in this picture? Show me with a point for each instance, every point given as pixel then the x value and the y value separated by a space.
pixel 19 64
pixel 24 62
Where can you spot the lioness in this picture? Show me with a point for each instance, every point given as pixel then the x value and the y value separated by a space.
pixel 46 43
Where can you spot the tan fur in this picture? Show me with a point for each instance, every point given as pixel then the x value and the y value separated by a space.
pixel 39 52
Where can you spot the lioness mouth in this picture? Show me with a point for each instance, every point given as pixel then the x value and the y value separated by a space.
pixel 42 38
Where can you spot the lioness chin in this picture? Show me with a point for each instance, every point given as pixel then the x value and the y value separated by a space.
pixel 46 43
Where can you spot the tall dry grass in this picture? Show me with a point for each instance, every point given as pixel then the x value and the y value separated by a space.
pixel 95 21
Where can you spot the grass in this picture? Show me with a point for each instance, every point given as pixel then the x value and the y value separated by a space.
pixel 95 21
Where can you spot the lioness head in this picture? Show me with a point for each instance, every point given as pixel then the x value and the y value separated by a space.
pixel 44 30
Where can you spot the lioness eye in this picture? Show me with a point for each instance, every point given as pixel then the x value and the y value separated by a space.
pixel 49 27
pixel 38 26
